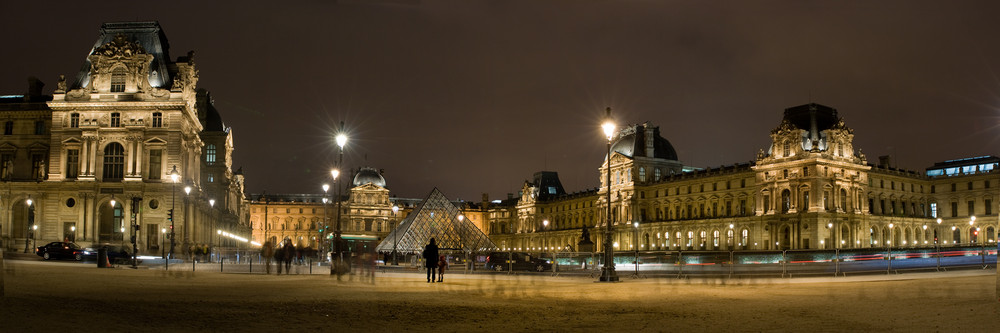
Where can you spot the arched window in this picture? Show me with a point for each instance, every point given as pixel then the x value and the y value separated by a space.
pixel 210 154
pixel 114 161
pixel 118 79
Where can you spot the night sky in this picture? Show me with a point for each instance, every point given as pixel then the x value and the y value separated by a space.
pixel 474 97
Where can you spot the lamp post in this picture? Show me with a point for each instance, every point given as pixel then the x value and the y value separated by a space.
pixel 395 235
pixel 889 246
pixel 937 242
pixel 608 271
pixel 636 247
pixel 211 205
pixel 31 223
pixel 34 229
pixel 72 236
pixel 163 246
pixel 325 225
pixel 187 194
pixel 174 176
pixel 341 141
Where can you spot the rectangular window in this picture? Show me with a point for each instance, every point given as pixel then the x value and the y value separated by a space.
pixel 118 79
pixel 934 210
pixel 157 119
pixel 986 184
pixel 989 206
pixel 8 128
pixel 972 207
pixel 932 188
pixel 36 166
pixel 954 209
pixel 40 127
pixel 211 177
pixel 116 119
pixel 953 187
pixel 74 120
pixel 970 185
pixel 72 163
pixel 155 163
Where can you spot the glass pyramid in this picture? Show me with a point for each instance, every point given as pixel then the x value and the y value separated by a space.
pixel 437 218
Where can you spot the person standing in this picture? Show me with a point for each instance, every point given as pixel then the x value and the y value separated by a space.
pixel 268 252
pixel 431 260
pixel 442 266
pixel 289 255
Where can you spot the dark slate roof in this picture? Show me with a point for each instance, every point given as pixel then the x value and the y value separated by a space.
pixel 548 185
pixel 211 120
pixel 147 34
pixel 631 141
pixel 803 116
pixel 368 175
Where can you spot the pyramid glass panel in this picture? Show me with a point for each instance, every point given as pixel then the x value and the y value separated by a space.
pixel 437 218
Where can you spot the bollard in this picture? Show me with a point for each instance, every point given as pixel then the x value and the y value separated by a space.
pixel 220 264
pixel 192 264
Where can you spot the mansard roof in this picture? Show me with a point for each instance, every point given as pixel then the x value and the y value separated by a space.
pixel 149 36
pixel 644 141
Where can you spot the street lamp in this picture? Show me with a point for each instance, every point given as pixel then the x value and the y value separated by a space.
pixel 174 177
pixel 211 205
pixel 937 242
pixel 163 246
pixel 324 226
pixel 395 235
pixel 187 194
pixel 341 139
pixel 636 247
pixel 889 245
pixel 608 271
pixel 31 223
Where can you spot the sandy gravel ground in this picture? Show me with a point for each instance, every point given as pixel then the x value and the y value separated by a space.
pixel 71 297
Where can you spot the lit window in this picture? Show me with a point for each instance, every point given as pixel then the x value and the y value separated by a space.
pixel 210 154
pixel 118 79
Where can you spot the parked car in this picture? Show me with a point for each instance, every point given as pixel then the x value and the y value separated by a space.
pixel 60 250
pixel 498 261
pixel 116 253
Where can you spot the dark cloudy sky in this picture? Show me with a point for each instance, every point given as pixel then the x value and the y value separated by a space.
pixel 475 96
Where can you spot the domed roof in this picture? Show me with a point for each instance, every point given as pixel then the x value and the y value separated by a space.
pixel 368 175
pixel 644 140
pixel 812 119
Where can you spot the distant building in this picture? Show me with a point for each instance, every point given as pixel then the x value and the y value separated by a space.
pixel 811 189
pixel 115 133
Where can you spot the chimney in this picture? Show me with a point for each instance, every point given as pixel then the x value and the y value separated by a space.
pixel 34 88
pixel 885 161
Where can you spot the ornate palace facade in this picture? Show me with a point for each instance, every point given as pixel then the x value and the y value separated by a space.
pixel 115 134
pixel 812 189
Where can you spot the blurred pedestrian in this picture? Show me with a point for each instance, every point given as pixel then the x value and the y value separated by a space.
pixel 267 251
pixel 279 255
pixel 442 266
pixel 289 252
pixel 431 260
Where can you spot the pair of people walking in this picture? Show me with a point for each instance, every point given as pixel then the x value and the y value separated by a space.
pixel 434 262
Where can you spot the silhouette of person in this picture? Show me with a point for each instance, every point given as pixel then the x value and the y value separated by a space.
pixel 431 260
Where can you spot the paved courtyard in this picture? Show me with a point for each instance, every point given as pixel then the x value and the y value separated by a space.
pixel 74 297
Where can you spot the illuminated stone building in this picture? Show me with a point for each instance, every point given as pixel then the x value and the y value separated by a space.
pixel 114 134
pixel 811 189
pixel 366 214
